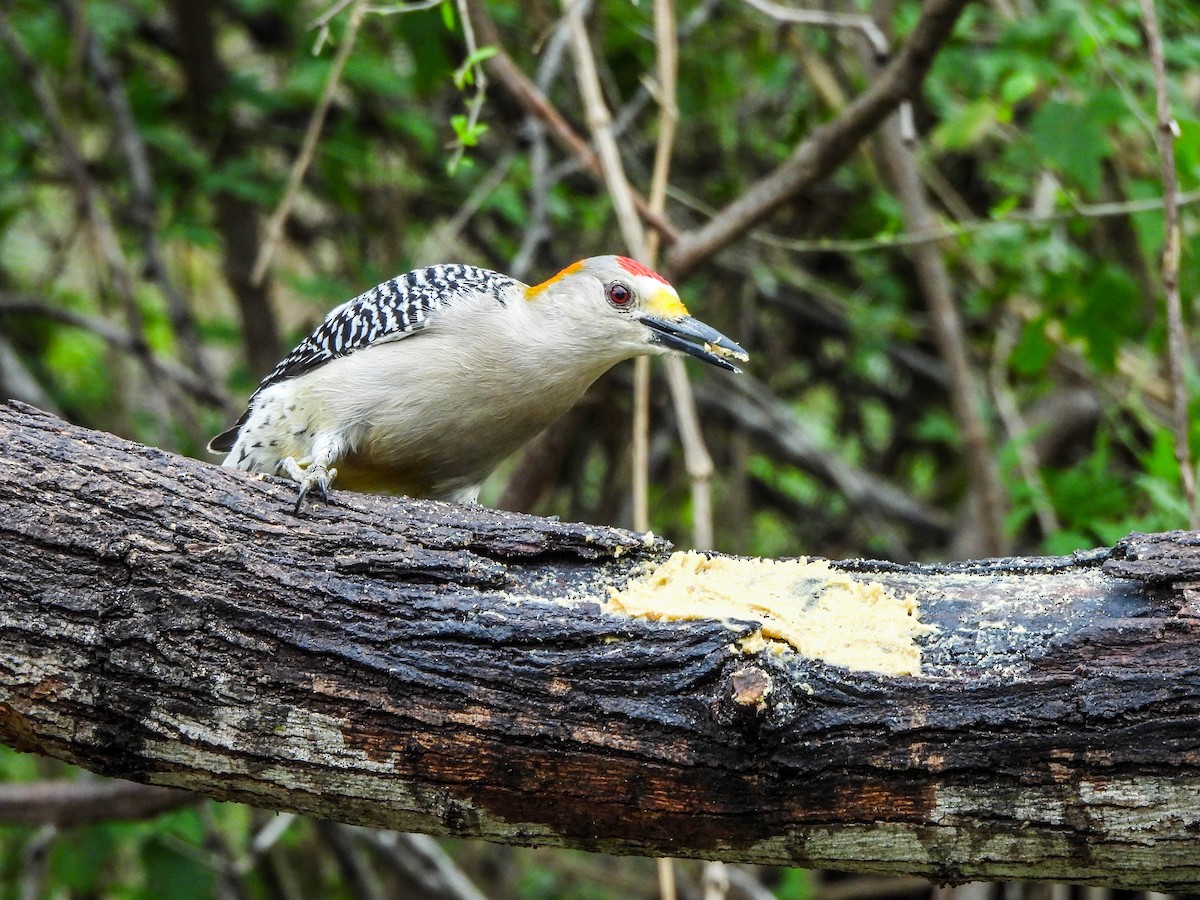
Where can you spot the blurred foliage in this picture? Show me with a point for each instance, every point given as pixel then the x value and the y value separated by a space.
pixel 1036 132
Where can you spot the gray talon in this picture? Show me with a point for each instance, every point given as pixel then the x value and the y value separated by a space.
pixel 315 476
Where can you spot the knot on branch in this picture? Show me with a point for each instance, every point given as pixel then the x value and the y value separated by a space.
pixel 746 698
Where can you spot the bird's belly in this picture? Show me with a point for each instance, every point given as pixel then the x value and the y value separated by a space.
pixel 357 473
pixel 430 416
pixel 440 462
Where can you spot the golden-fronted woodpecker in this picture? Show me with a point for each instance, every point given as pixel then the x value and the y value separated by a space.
pixel 425 383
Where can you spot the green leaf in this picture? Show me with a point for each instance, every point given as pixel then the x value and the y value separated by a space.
pixel 78 858
pixel 937 426
pixel 1033 351
pixel 1107 314
pixel 1070 138
pixel 464 75
pixel 481 54
pixel 1064 543
pixel 1018 86
pixel 171 873
pixel 1187 153
pixel 468 135
pixel 970 125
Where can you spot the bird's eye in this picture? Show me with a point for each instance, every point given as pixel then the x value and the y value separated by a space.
pixel 619 294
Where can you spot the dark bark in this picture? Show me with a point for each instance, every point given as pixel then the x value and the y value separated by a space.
pixel 411 665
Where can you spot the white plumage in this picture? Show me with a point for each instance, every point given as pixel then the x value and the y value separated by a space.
pixel 425 383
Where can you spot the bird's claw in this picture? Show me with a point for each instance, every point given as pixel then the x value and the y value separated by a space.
pixel 317 476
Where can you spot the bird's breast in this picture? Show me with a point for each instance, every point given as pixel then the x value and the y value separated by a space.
pixel 429 410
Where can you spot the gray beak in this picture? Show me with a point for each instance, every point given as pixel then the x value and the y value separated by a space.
pixel 696 339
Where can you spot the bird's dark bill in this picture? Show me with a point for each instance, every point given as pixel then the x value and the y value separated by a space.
pixel 696 339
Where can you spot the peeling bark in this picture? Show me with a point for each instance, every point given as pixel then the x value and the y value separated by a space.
pixel 412 665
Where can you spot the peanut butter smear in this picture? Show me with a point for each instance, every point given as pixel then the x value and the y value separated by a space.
pixel 808 606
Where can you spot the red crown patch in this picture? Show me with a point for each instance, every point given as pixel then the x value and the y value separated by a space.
pixel 633 267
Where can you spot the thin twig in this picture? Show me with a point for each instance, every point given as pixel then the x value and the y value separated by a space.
pixel 1114 74
pixel 35 863
pixel 527 95
pixel 143 195
pixel 274 229
pixel 357 873
pixel 599 121
pixel 94 212
pixel 697 459
pixel 716 881
pixel 86 191
pixel 421 862
pixel 537 228
pixel 986 489
pixel 160 367
pixel 1177 351
pixel 18 382
pixel 666 878
pixel 446 233
pixel 666 40
pixel 823 19
pixel 1028 219
pixel 775 428
pixel 1018 431
pixel 323 20
pixel 640 445
pixel 600 124
pixel 65 804
pixel 745 886
pixel 475 104
pixel 629 114
pixel 667 54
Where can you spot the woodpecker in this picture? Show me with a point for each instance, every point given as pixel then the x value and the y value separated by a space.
pixel 425 383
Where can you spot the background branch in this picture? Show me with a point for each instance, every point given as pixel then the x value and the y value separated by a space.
pixel 66 804
pixel 510 77
pixel 827 147
pixel 308 147
pixel 1177 350
pixel 143 203
pixel 986 501
pixel 160 367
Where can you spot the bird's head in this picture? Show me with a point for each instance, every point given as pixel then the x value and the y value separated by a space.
pixel 635 310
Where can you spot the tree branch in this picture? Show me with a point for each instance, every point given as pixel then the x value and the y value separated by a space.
pixel 827 147
pixel 65 804
pixel 214 123
pixel 508 75
pixel 1177 351
pixel 308 147
pixel 143 202
pixel 987 497
pixel 424 666
pixel 161 367
pixel 752 406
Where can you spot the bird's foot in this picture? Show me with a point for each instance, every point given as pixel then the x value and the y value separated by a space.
pixel 315 476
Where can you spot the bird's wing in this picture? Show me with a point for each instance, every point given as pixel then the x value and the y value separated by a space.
pixel 396 309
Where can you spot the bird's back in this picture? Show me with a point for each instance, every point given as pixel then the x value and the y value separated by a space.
pixel 392 310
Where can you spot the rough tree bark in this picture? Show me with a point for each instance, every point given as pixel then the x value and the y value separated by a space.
pixel 410 665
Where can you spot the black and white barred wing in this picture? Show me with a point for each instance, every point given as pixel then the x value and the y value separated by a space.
pixel 396 309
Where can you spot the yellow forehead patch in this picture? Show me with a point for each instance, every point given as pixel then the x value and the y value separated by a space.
pixel 665 304
pixel 532 292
